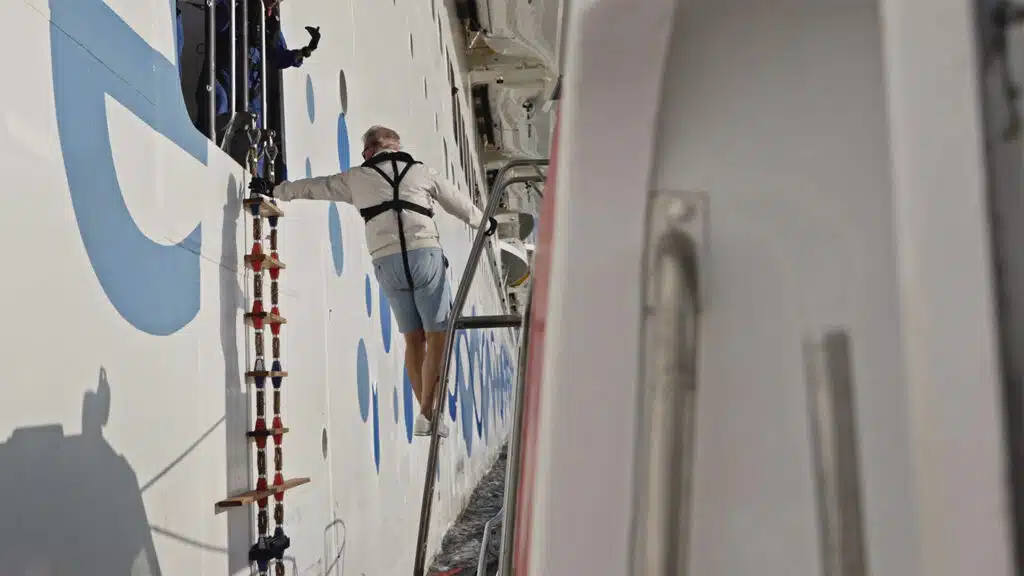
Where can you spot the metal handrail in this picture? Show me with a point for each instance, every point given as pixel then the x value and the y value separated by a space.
pixel 500 185
pixel 244 79
pixel 512 468
pixel 512 165
pixel 211 70
pixel 263 69
pixel 232 127
pixel 233 97
pixel 481 561
pixel 659 543
pixel 498 283
pixel 831 403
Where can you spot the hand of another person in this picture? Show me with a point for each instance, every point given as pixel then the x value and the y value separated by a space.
pixel 314 40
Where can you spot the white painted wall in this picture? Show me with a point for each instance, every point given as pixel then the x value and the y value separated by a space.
pixel 173 442
pixel 777 110
pixel 582 489
pixel 839 142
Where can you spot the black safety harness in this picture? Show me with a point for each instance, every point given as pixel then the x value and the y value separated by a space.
pixel 396 203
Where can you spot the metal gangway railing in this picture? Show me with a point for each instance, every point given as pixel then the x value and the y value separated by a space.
pixel 500 186
pixel 512 470
pixel 238 91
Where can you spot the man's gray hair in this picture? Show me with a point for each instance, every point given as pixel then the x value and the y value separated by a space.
pixel 379 137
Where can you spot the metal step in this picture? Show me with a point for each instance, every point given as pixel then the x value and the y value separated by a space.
pixel 499 321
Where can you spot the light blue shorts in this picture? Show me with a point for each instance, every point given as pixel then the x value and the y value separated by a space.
pixel 428 305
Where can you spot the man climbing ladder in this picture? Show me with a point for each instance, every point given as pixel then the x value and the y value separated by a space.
pixel 405 246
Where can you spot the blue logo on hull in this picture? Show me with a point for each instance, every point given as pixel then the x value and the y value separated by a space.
pixel 153 286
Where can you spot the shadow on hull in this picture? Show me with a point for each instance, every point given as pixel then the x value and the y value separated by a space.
pixel 72 505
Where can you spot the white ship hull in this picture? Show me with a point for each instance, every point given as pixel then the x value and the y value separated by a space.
pixel 124 237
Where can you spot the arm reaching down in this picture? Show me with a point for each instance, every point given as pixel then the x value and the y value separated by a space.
pixel 334 188
pixel 453 201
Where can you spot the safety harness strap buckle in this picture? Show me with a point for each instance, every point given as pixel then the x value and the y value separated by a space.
pixel 372 212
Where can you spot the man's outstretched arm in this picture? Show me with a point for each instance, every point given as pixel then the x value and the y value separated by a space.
pixel 334 188
pixel 453 201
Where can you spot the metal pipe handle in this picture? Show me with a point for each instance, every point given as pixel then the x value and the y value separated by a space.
pixel 263 69
pixel 667 392
pixel 211 70
pixel 515 441
pixel 481 562
pixel 233 89
pixel 245 64
pixel 834 445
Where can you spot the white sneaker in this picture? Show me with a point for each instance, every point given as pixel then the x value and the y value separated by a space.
pixel 422 427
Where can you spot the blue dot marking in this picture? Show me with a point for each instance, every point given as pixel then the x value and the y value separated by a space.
pixel 344 154
pixel 369 298
pixel 376 432
pixel 310 101
pixel 394 402
pixel 337 247
pixel 363 380
pixel 407 397
pixel 385 320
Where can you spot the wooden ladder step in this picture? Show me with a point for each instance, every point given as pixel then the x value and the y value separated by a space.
pixel 254 434
pixel 266 261
pixel 266 316
pixel 267 209
pixel 254 495
pixel 254 374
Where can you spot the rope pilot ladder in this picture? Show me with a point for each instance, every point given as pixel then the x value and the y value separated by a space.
pixel 269 548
